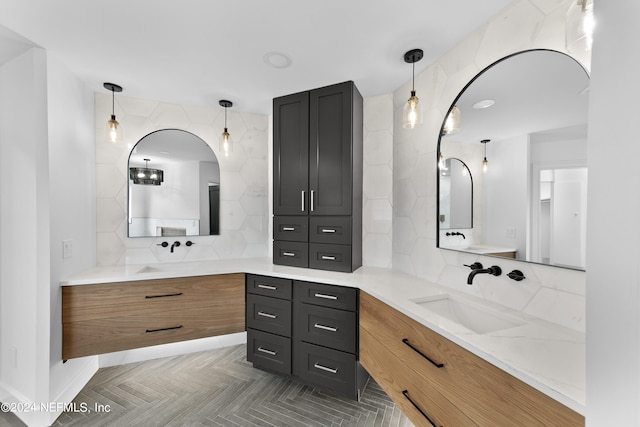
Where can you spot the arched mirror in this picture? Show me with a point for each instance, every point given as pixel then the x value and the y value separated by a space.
pixel 174 186
pixel 523 135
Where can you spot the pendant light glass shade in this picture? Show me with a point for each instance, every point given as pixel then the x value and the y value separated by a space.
pixel 114 130
pixel 452 124
pixel 412 112
pixel 226 143
pixel 485 162
pixel 579 26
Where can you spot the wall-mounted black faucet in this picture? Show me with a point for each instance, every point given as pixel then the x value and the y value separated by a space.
pixel 456 233
pixel 174 245
pixel 476 268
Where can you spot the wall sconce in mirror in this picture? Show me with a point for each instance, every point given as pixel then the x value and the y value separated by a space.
pixel 146 176
pixel 580 24
pixel 412 112
pixel 226 143
pixel 485 162
pixel 114 130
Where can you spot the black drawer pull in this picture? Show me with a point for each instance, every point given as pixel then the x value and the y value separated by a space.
pixel 269 287
pixel 163 329
pixel 288 229
pixel 406 394
pixel 325 296
pixel 328 257
pixel 267 351
pixel 163 296
pixel 437 365
pixel 325 368
pixel 267 315
pixel 326 328
pixel 288 254
pixel 328 230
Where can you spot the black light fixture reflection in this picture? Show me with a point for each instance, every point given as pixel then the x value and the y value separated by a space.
pixel 226 143
pixel 114 130
pixel 146 176
pixel 485 162
pixel 412 112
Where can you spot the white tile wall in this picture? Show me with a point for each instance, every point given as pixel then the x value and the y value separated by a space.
pixel 557 295
pixel 244 179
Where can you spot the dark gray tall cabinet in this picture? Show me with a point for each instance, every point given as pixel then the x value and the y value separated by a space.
pixel 317 194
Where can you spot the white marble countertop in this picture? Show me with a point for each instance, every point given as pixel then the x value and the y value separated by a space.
pixel 546 356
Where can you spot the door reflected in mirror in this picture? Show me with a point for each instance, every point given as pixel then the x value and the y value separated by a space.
pixel 530 203
pixel 174 186
pixel 456 195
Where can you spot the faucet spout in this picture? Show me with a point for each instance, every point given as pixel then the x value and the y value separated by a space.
pixel 174 245
pixel 494 270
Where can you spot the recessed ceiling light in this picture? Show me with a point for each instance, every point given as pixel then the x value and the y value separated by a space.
pixel 485 103
pixel 277 59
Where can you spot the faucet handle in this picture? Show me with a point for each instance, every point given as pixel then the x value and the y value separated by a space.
pixel 163 244
pixel 516 275
pixel 474 266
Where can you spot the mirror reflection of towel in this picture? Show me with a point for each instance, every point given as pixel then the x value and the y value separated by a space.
pixel 172 231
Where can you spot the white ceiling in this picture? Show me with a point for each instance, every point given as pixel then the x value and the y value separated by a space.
pixel 199 51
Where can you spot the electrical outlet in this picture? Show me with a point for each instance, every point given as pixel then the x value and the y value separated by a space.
pixel 510 232
pixel 67 248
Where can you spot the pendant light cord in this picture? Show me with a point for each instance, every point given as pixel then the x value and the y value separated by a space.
pixel 113 102
pixel 413 77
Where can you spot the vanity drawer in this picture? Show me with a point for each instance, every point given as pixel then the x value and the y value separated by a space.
pixel 86 302
pixel 328 327
pixel 330 229
pixel 269 351
pixel 485 393
pixel 324 367
pixel 269 286
pixel 269 314
pixel 339 297
pixel 324 256
pixel 105 335
pixel 406 389
pixel 291 228
pixel 294 254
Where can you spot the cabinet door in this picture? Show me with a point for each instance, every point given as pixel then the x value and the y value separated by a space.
pixel 291 154
pixel 330 142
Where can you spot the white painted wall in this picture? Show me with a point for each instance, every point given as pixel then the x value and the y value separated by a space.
pixel 613 279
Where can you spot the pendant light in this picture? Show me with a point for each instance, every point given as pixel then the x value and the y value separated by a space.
pixel 146 176
pixel 579 26
pixel 412 112
pixel 452 124
pixel 114 130
pixel 485 162
pixel 226 143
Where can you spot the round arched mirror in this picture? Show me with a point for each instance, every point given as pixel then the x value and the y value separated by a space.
pixel 523 134
pixel 174 186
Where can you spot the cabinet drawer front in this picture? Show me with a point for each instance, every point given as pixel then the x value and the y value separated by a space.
pixel 417 398
pixel 269 315
pixel 328 327
pixel 330 229
pixel 98 336
pixel 328 368
pixel 485 393
pixel 294 254
pixel 331 296
pixel 269 286
pixel 324 256
pixel 269 351
pixel 98 301
pixel 291 228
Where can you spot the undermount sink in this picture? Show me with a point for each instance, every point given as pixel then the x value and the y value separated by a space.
pixel 162 268
pixel 475 317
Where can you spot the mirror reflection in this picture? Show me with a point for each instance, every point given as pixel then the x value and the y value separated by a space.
pixel 174 186
pixel 456 195
pixel 522 133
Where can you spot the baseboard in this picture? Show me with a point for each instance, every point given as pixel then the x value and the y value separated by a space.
pixel 29 417
pixel 168 350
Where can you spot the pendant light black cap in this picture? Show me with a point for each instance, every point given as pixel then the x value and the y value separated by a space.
pixel 226 104
pixel 112 87
pixel 413 56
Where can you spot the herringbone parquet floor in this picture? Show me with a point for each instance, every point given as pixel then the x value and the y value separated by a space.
pixel 217 388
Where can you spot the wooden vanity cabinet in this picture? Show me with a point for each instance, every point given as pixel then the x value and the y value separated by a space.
pixel 437 382
pixel 108 317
